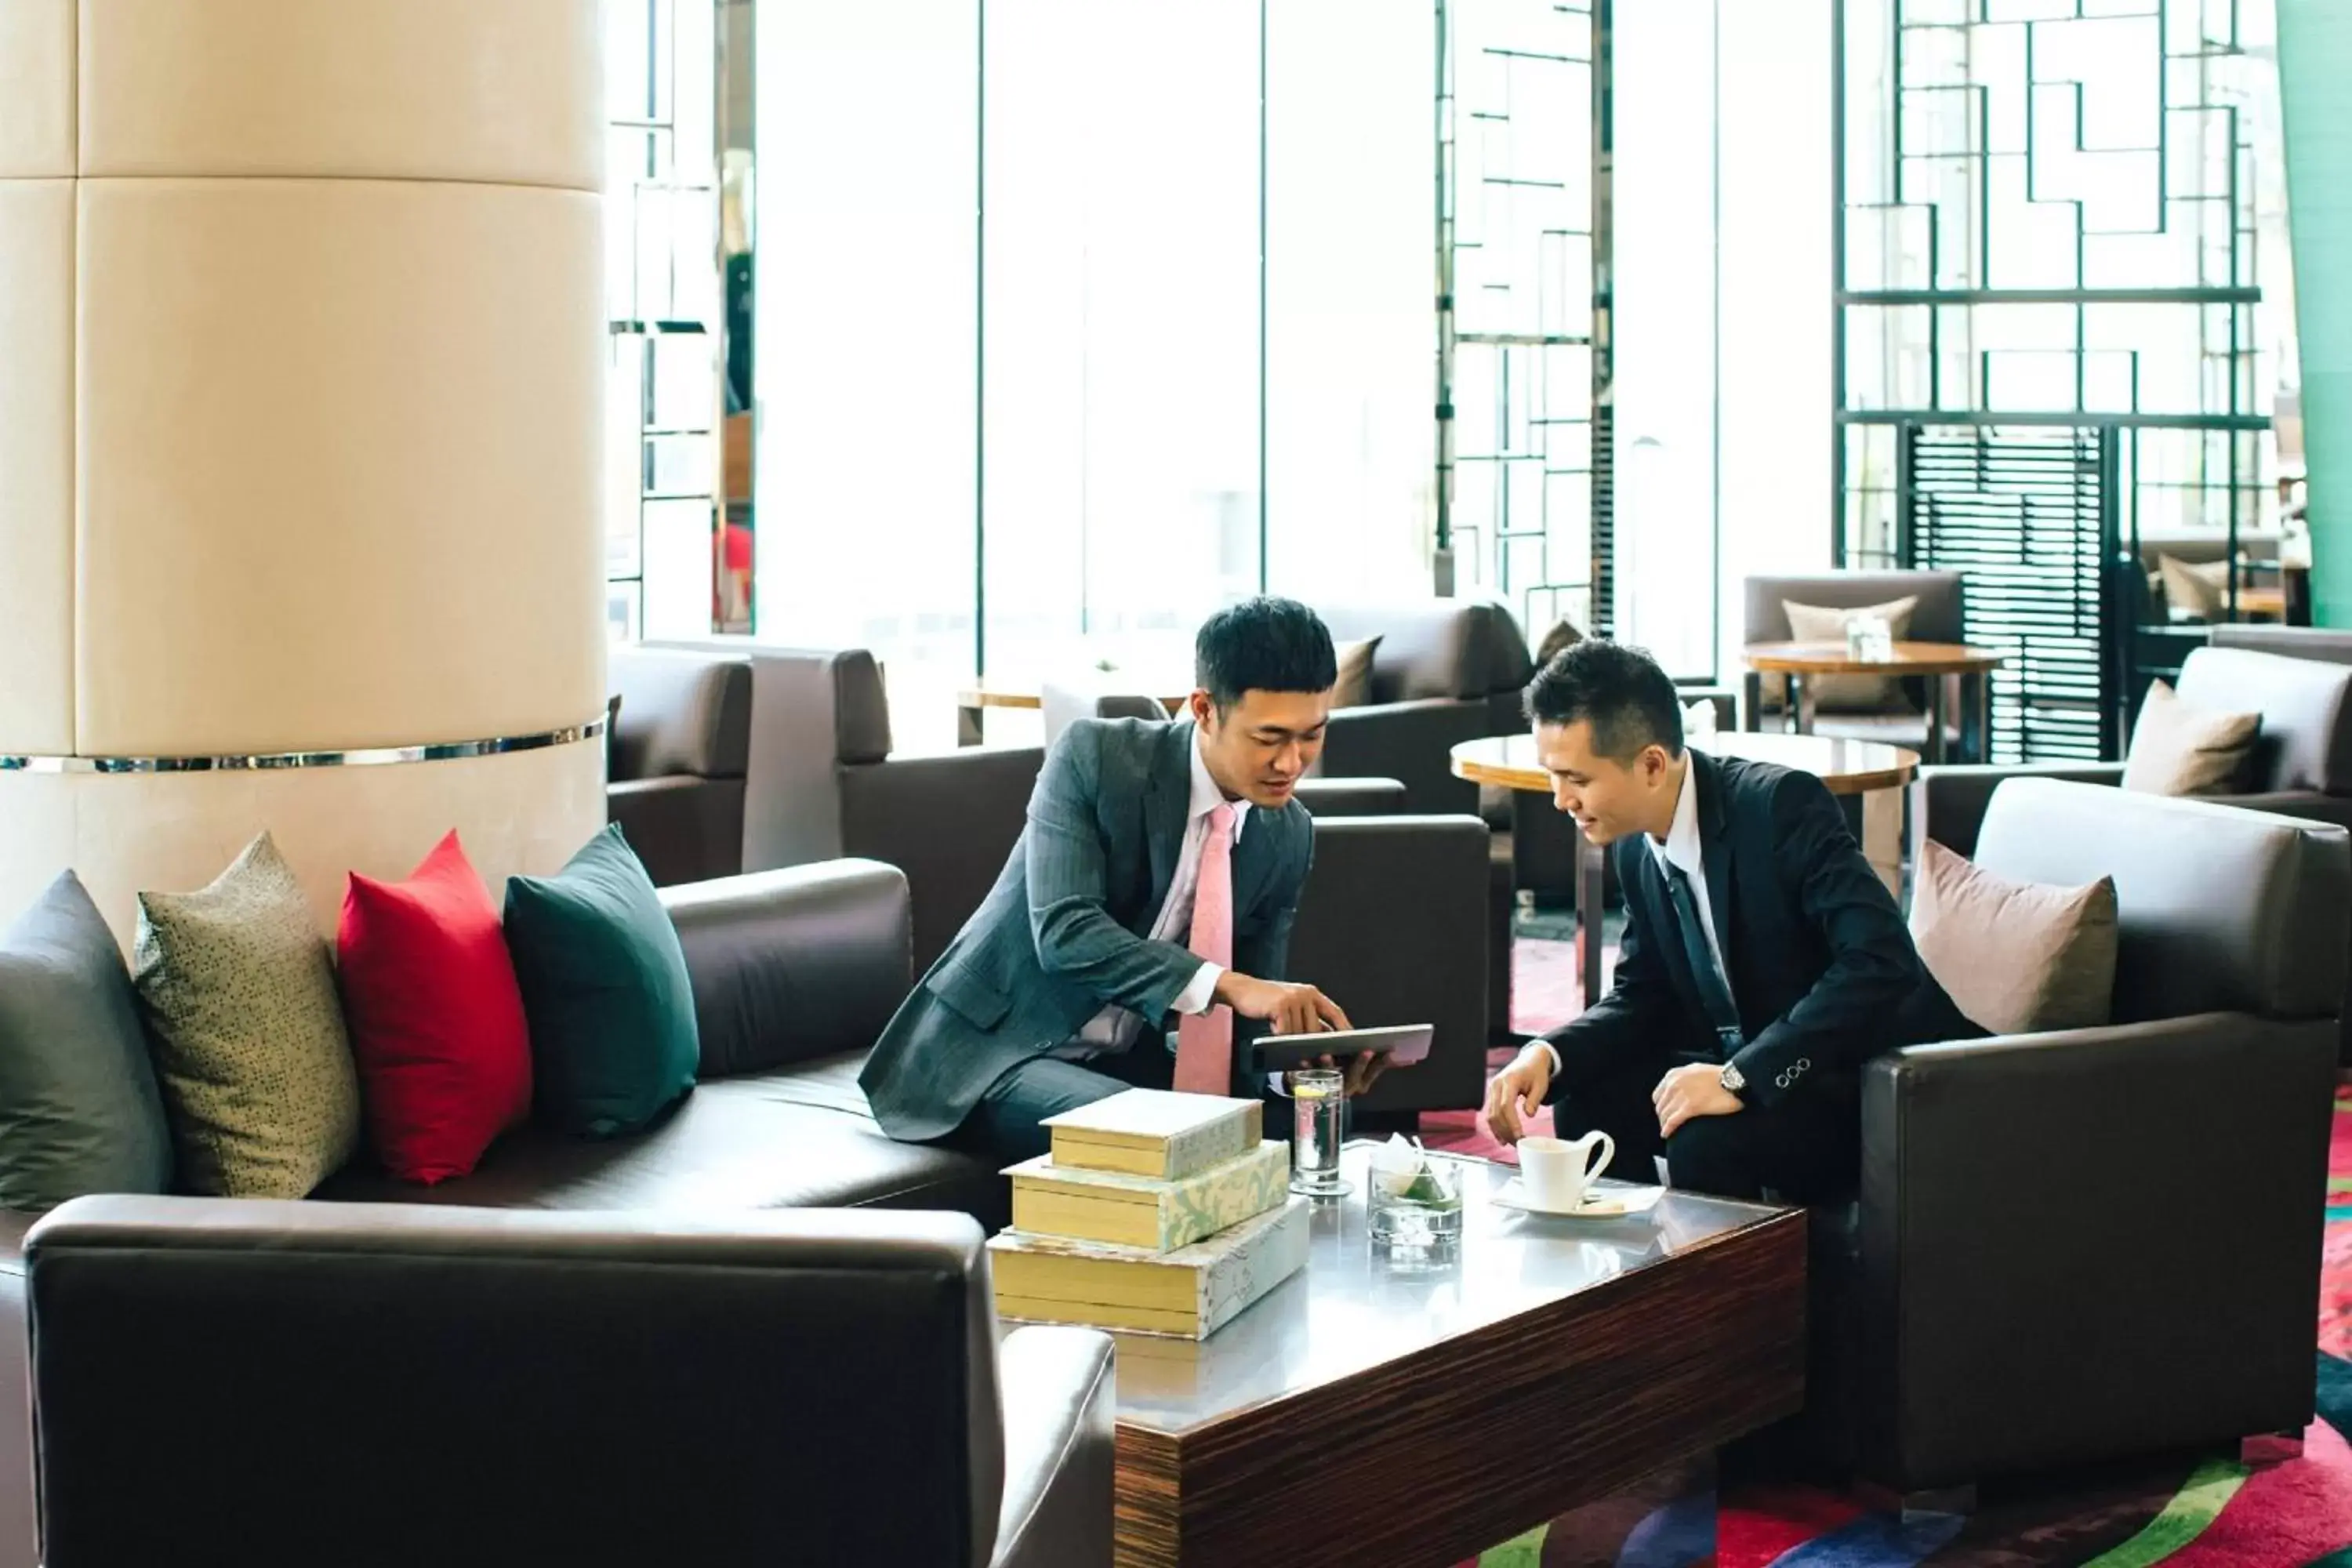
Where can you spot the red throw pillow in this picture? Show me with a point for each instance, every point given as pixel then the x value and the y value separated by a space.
pixel 434 1014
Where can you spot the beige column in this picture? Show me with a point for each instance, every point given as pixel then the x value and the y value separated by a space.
pixel 298 436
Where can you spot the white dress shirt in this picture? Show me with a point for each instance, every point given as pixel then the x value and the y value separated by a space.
pixel 1681 848
pixel 1115 1027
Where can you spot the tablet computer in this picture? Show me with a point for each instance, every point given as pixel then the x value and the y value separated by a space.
pixel 1404 1043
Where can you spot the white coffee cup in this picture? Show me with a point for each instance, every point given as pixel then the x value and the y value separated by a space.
pixel 1557 1171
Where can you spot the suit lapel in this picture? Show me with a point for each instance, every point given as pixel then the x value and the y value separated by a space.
pixel 1256 855
pixel 1167 803
pixel 1714 849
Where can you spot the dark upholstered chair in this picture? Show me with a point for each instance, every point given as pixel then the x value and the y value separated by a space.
pixel 286 1384
pixel 2301 765
pixel 1941 616
pixel 2056 1230
pixel 680 750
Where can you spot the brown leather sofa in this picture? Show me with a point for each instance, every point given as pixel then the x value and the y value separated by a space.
pixel 285 1385
pixel 2301 765
pixel 1940 615
pixel 680 749
pixel 2083 1245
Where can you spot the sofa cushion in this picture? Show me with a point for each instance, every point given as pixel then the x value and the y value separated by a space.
pixel 248 1033
pixel 604 987
pixel 78 1108
pixel 2182 747
pixel 1354 687
pixel 2016 956
pixel 435 1015
pixel 798 1137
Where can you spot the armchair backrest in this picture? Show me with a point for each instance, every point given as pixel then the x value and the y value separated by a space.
pixel 286 1383
pixel 2306 742
pixel 682 711
pixel 2294 642
pixel 1466 650
pixel 1940 616
pixel 2218 910
pixel 1061 703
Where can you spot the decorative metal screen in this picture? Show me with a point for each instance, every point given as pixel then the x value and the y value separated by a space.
pixel 2029 515
pixel 1523 486
pixel 2052 216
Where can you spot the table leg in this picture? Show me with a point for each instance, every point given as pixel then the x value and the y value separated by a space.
pixel 1751 716
pixel 1591 909
pixel 1938 706
pixel 969 726
pixel 1800 702
pixel 1976 717
pixel 1882 836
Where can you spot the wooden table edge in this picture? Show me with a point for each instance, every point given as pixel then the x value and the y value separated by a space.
pixel 1830 658
pixel 1533 783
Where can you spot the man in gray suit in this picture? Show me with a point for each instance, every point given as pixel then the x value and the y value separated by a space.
pixel 1157 877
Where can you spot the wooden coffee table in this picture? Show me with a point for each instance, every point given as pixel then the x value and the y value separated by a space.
pixel 1370 1411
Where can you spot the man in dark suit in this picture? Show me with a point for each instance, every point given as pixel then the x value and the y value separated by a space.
pixel 1157 878
pixel 1763 961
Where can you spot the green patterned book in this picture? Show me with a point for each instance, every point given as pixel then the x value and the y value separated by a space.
pixel 1157 1132
pixel 1141 1211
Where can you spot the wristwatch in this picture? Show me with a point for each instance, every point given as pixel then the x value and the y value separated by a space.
pixel 1732 1079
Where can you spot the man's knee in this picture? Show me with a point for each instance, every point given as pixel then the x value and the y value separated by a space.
pixel 1714 1154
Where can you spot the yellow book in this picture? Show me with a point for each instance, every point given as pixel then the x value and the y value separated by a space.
pixel 1157 1132
pixel 1189 1292
pixel 1143 1211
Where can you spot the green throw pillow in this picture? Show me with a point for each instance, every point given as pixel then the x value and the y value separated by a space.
pixel 240 997
pixel 612 1036
pixel 78 1111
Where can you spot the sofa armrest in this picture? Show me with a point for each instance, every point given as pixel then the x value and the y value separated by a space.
pixel 1393 926
pixel 949 821
pixel 1951 802
pixel 1058 1389
pixel 1351 798
pixel 2058 1229
pixel 789 965
pixel 1411 742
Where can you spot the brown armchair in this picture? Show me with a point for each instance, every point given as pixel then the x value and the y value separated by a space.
pixel 2057 1230
pixel 680 748
pixel 1940 615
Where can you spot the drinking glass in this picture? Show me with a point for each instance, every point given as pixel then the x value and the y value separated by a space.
pixel 1318 1096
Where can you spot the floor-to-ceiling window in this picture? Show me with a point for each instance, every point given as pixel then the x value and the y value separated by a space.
pixel 1078 319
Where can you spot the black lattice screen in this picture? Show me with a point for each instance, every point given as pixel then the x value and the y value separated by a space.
pixel 2029 514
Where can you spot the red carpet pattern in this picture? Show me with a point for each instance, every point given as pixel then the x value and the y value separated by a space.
pixel 2195 1512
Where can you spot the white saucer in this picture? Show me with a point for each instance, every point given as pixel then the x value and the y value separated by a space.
pixel 1637 1200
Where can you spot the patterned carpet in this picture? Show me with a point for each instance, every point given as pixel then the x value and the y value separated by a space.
pixel 2192 1511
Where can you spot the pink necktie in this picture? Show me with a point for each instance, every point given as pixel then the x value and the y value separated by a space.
pixel 1204 1041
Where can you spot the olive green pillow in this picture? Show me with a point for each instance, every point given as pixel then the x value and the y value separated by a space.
pixel 249 1033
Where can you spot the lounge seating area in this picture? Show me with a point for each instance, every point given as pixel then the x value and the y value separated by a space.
pixel 1191 787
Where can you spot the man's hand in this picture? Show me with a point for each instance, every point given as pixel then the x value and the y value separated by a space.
pixel 1693 1090
pixel 1518 1092
pixel 1291 1009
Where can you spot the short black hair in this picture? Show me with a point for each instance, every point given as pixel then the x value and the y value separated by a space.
pixel 1262 644
pixel 1621 691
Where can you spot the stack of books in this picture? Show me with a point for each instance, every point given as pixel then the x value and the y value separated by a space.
pixel 1156 1212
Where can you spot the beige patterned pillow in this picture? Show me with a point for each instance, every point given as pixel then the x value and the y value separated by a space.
pixel 2015 957
pixel 2179 750
pixel 249 1032
pixel 1354 687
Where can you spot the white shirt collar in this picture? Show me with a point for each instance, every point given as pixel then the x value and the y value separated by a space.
pixel 1681 846
pixel 1206 795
